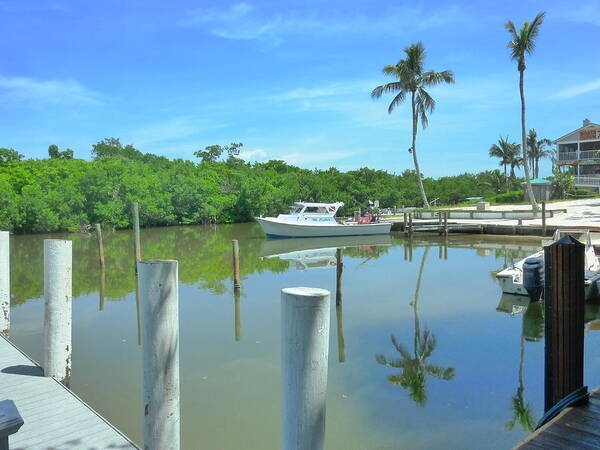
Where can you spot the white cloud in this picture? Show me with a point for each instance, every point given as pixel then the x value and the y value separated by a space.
pixel 33 91
pixel 253 155
pixel 578 89
pixel 242 21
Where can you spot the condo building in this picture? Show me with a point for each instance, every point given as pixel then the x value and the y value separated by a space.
pixel 580 149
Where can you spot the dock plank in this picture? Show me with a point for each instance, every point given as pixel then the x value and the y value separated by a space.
pixel 575 427
pixel 55 418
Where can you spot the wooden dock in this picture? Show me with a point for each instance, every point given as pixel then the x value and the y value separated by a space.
pixel 577 427
pixel 55 418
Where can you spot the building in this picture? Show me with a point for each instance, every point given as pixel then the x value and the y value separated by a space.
pixel 580 149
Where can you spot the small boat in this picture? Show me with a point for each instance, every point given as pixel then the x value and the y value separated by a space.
pixel 511 278
pixel 318 220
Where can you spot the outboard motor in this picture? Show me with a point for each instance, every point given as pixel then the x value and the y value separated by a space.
pixel 533 278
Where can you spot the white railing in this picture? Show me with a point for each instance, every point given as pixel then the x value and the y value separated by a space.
pixel 593 181
pixel 567 156
pixel 589 154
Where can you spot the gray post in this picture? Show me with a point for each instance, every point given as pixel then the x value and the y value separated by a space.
pixel 446 223
pixel 4 283
pixel 236 263
pixel 543 218
pixel 564 300
pixel 405 222
pixel 410 223
pixel 304 355
pixel 441 223
pixel 136 233
pixel 339 269
pixel 158 286
pixel 100 244
pixel 58 273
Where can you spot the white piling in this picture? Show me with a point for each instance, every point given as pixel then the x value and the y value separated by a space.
pixel 4 283
pixel 58 275
pixel 304 354
pixel 158 286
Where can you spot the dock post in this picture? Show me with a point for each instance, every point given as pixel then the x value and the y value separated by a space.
pixel 158 286
pixel 4 283
pixel 405 222
pixel 440 223
pixel 446 248
pixel 339 269
pixel 304 355
pixel 136 232
pixel 236 263
pixel 100 244
pixel 58 285
pixel 409 243
pixel 410 223
pixel 564 300
pixel 446 223
pixel 543 218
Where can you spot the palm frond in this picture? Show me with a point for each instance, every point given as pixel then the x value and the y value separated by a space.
pixel 387 88
pixel 396 101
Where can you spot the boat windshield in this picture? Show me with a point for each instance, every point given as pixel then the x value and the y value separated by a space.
pixel 315 210
pixel 295 209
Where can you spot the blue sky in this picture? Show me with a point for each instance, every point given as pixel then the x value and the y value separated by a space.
pixel 291 80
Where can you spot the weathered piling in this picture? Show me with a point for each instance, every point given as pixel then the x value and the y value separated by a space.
pixel 236 263
pixel 58 285
pixel 404 222
pixel 446 213
pixel 409 244
pixel 137 249
pixel 4 283
pixel 304 355
pixel 446 247
pixel 237 314
pixel 440 222
pixel 564 311
pixel 410 223
pixel 158 285
pixel 339 270
pixel 100 244
pixel 543 218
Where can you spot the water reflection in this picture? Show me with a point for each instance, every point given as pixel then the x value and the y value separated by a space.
pixel 414 366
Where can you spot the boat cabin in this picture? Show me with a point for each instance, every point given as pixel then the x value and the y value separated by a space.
pixel 301 208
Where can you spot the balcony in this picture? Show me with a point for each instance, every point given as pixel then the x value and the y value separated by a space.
pixel 589 154
pixel 567 156
pixel 587 181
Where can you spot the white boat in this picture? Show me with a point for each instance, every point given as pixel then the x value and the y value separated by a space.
pixel 317 220
pixel 511 278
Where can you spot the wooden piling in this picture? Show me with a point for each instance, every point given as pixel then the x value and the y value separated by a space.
pixel 137 250
pixel 409 243
pixel 564 300
pixel 446 213
pixel 58 285
pixel 543 218
pixel 4 283
pixel 405 222
pixel 339 269
pixel 102 288
pixel 340 333
pixel 100 244
pixel 236 263
pixel 304 355
pixel 158 285
pixel 410 223
pixel 446 248
pixel 440 223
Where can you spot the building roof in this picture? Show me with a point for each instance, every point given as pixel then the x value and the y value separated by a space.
pixel 588 125
pixel 538 181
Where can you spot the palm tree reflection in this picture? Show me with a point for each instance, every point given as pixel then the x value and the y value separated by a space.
pixel 414 366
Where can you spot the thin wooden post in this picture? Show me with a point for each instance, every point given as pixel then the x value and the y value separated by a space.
pixel 58 285
pixel 4 283
pixel 440 223
pixel 340 333
pixel 339 269
pixel 158 282
pixel 446 248
pixel 410 248
pixel 543 218
pixel 446 223
pixel 137 250
pixel 237 314
pixel 236 263
pixel 405 222
pixel 100 244
pixel 304 355
pixel 564 300
pixel 410 223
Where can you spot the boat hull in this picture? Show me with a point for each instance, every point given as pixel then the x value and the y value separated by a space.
pixel 275 229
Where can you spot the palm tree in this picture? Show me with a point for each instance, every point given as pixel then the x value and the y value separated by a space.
pixel 536 151
pixel 523 42
pixel 414 365
pixel 412 81
pixel 505 151
pixel 516 161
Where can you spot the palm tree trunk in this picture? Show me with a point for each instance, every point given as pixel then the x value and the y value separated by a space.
pixel 534 205
pixel 414 152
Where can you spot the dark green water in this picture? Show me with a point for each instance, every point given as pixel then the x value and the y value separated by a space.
pixel 429 361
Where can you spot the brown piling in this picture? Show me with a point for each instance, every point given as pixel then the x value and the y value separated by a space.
pixel 339 269
pixel 446 223
pixel 543 218
pixel 236 263
pixel 100 244
pixel 564 311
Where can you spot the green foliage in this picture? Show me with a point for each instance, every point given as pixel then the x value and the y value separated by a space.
pixel 55 153
pixel 62 194
pixel 564 184
pixel 8 155
pixel 509 197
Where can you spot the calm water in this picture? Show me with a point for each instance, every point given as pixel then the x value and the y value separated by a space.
pixel 431 357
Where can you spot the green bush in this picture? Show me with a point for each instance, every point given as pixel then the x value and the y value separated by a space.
pixel 583 193
pixel 509 197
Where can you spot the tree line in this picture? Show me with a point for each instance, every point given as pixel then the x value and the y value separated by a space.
pixel 64 193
